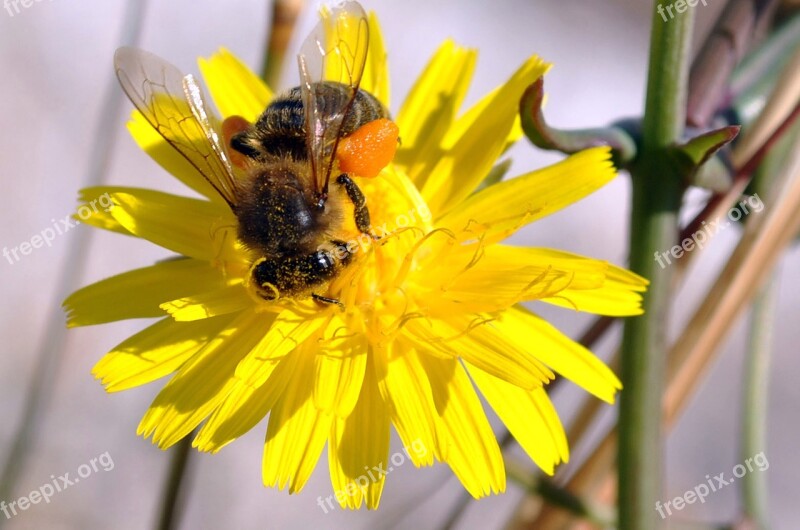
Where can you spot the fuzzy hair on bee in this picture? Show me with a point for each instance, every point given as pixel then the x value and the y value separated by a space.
pixel 296 206
pixel 280 131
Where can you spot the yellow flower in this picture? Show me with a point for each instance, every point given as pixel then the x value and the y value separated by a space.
pixel 431 311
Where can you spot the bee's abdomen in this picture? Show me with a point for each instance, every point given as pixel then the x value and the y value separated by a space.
pixel 365 108
pixel 281 129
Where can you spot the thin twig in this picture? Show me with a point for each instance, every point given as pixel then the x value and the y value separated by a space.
pixel 756 386
pixel 174 494
pixel 723 49
pixel 782 102
pixel 780 108
pixel 719 204
pixel 284 18
pixel 548 491
pixel 764 239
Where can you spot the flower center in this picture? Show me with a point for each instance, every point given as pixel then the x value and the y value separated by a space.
pixel 400 219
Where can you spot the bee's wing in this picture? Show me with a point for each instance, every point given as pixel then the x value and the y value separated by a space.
pixel 335 51
pixel 175 106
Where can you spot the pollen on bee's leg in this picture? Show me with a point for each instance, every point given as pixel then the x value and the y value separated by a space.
pixel 369 149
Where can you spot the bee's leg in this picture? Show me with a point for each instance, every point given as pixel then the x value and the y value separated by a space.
pixel 325 300
pixel 359 202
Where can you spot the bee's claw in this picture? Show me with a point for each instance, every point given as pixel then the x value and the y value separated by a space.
pixel 325 300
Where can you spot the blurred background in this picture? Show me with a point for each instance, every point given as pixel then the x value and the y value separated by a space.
pixel 56 64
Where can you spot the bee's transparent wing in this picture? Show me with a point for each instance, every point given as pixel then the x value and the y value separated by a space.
pixel 335 51
pixel 175 106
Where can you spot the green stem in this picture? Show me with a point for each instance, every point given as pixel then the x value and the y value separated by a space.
pixel 756 386
pixel 657 189
pixel 759 351
pixel 174 493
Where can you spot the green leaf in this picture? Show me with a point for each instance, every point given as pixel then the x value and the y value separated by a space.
pixel 700 148
pixel 570 141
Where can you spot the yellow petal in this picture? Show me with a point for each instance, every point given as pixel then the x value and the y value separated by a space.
pixel 499 210
pixel 154 352
pixel 473 453
pixel 235 89
pixel 339 368
pixel 202 383
pixel 196 228
pixel 404 386
pixel 289 330
pixel 514 134
pixel 559 352
pixel 466 121
pixel 229 299
pixel 400 199
pixel 100 216
pixel 138 293
pixel 474 339
pixel 499 276
pixel 618 296
pixel 297 429
pixel 245 406
pixel 430 108
pixel 467 162
pixel 477 278
pixel 529 416
pixel 375 79
pixel 359 449
pixel 166 156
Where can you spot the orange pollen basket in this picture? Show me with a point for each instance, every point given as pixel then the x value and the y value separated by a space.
pixel 369 149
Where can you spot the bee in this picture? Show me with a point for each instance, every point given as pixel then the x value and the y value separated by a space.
pixel 286 178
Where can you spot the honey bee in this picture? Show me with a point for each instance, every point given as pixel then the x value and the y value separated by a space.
pixel 276 174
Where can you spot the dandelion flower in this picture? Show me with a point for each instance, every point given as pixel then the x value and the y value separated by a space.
pixel 430 314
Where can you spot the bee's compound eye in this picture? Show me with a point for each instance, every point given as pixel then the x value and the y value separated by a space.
pixel 369 149
pixel 233 133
